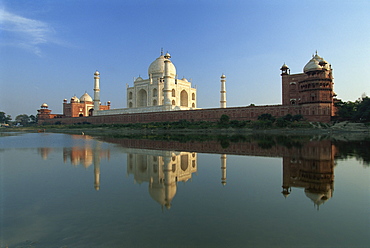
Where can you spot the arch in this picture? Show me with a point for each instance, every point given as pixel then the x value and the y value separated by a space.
pixel 184 162
pixel 91 111
pixel 155 92
pixel 130 104
pixel 80 115
pixel 184 98
pixel 173 102
pixel 154 102
pixel 141 100
pixel 141 163
pixel 193 96
pixel 130 95
pixel 173 93
pixel 193 105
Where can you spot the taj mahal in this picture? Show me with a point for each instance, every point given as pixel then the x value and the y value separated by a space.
pixel 161 91
pixel 162 96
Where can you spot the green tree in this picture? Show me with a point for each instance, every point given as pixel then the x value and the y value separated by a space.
pixel 22 119
pixel 33 119
pixel 297 117
pixel 266 117
pixel 346 110
pixel 363 110
pixel 5 118
pixel 358 111
pixel 224 120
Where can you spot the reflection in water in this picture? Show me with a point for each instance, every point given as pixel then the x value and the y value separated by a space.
pixel 86 156
pixel 312 169
pixel 51 204
pixel 309 166
pixel 162 170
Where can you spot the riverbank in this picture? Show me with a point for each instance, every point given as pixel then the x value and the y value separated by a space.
pixel 342 130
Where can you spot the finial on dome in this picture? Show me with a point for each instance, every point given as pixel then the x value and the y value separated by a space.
pixel 96 73
pixel 162 51
pixel 167 56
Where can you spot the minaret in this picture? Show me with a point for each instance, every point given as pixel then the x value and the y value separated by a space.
pixel 223 169
pixel 168 184
pixel 96 92
pixel 166 88
pixel 223 92
pixel 96 158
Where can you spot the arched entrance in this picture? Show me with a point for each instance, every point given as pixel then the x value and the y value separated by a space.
pixel 184 99
pixel 142 98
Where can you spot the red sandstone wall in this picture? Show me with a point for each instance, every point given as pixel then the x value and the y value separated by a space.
pixel 236 113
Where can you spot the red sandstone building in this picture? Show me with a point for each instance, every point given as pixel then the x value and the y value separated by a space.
pixel 77 107
pixel 309 94
pixel 312 89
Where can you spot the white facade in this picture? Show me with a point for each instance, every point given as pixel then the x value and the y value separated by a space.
pixel 148 95
pixel 149 92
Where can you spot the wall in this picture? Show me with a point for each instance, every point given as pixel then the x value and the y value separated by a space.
pixel 313 112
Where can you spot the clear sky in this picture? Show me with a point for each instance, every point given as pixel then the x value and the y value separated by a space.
pixel 49 49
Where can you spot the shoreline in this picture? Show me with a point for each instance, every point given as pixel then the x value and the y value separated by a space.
pixel 346 131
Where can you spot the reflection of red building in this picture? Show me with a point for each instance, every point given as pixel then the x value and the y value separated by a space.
pixel 311 169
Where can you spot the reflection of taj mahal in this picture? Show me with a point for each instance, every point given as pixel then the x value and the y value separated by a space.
pixel 161 172
pixel 310 167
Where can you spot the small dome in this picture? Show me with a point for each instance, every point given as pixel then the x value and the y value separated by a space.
pixel 44 105
pixel 86 98
pixel 223 76
pixel 156 68
pixel 75 98
pixel 184 79
pixel 96 73
pixel 316 63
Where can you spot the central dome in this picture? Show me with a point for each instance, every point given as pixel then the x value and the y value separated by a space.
pixel 156 68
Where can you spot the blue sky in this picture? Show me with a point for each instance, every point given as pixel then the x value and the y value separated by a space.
pixel 50 49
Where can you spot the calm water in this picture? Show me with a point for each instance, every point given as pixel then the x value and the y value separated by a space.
pixel 62 190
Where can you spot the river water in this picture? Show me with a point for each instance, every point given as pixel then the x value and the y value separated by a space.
pixel 59 190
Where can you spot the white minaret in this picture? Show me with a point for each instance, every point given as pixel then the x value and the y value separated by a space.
pixel 223 92
pixel 96 92
pixel 166 87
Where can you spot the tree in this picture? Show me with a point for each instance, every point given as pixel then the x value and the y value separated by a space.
pixel 363 110
pixel 266 117
pixel 33 119
pixel 358 111
pixel 346 110
pixel 4 118
pixel 22 119
pixel 224 120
